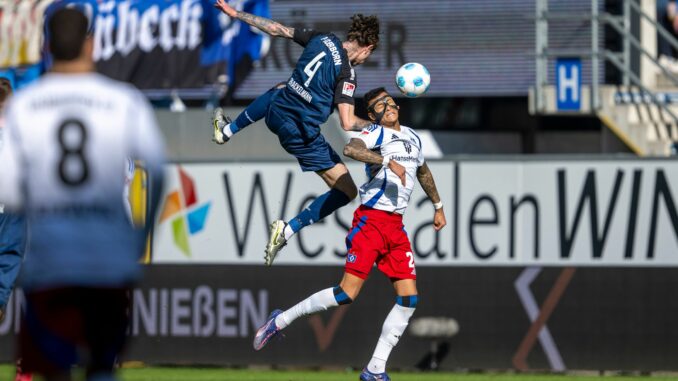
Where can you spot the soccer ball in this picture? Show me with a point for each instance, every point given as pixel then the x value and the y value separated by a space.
pixel 413 79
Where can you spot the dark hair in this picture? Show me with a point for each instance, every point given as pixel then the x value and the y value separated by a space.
pixel 364 30
pixel 370 95
pixel 67 33
pixel 5 89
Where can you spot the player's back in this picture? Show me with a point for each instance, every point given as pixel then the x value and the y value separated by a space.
pixel 310 91
pixel 72 132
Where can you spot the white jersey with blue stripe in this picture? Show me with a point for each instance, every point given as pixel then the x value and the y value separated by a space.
pixel 383 189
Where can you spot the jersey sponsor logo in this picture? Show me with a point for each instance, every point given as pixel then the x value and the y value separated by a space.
pixel 190 217
pixel 348 89
pixel 351 257
pixel 401 158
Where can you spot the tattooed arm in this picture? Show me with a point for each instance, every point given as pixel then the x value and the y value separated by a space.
pixel 357 150
pixel 425 178
pixel 266 25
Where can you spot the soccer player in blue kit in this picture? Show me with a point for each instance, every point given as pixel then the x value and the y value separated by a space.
pixel 323 77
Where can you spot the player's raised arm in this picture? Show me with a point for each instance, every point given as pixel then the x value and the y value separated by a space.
pixel 349 121
pixel 357 149
pixel 266 25
pixel 425 178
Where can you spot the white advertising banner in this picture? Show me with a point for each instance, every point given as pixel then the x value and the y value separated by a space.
pixel 499 213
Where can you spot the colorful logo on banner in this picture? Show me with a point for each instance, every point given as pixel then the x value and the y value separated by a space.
pixel 188 217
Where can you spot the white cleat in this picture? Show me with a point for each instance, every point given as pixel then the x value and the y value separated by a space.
pixel 276 241
pixel 220 121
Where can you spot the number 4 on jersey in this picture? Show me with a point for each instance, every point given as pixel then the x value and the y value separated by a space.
pixel 313 67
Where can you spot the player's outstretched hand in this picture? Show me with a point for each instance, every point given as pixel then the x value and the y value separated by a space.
pixel 398 169
pixel 439 220
pixel 223 6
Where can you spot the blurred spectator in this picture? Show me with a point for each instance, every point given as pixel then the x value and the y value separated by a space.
pixel 666 17
pixel 12 240
pixel 21 26
pixel 12 230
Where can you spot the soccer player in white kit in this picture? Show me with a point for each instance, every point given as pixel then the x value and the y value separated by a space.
pixel 394 158
pixel 66 137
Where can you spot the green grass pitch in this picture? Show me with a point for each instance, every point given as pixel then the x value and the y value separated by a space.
pixel 218 374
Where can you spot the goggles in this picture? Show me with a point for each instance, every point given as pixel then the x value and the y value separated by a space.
pixel 378 107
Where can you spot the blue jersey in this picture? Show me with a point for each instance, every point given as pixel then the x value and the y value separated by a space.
pixel 322 77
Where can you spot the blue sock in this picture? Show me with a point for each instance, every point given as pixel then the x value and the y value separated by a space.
pixel 340 296
pixel 255 111
pixel 320 208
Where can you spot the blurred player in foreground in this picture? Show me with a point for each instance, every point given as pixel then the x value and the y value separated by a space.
pixel 323 77
pixel 66 136
pixel 378 235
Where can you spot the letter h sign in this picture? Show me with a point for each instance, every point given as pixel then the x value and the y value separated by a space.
pixel 568 84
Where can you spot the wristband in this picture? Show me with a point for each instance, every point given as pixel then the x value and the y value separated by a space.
pixel 438 205
pixel 385 161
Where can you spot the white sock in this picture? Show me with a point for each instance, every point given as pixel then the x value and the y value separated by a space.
pixel 226 130
pixel 394 326
pixel 288 232
pixel 319 301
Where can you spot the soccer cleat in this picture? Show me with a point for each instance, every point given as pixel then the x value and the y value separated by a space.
pixel 276 241
pixel 366 375
pixel 267 331
pixel 220 121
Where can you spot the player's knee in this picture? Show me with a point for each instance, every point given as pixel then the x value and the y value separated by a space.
pixel 409 301
pixel 341 296
pixel 350 190
pixel 346 185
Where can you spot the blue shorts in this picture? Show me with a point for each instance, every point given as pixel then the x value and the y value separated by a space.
pixel 304 142
pixel 62 324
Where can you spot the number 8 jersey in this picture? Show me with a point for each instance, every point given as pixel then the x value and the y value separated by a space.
pixel 65 139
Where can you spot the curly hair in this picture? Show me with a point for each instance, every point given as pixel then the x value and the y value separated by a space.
pixel 364 30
